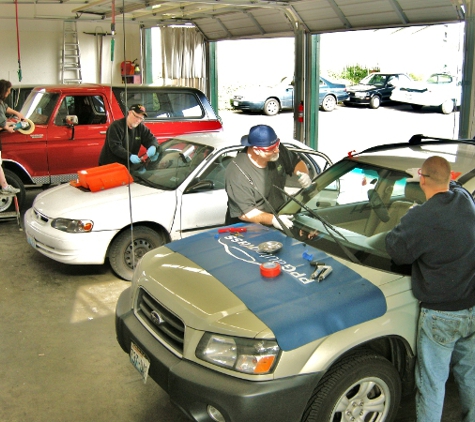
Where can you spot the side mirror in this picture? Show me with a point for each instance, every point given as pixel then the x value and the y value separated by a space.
pixel 200 186
pixel 71 120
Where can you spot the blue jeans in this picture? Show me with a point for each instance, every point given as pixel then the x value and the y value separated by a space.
pixel 445 338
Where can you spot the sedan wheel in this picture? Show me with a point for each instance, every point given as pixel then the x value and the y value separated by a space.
pixel 375 102
pixel 329 103
pixel 124 255
pixel 271 107
pixel 447 107
pixel 362 387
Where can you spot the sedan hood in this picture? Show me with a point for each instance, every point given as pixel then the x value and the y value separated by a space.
pixel 225 280
pixel 68 201
pixel 109 209
pixel 361 87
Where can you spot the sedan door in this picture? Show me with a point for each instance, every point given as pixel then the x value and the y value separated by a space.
pixel 204 201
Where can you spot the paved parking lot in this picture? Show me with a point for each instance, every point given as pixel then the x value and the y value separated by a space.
pixel 59 359
pixel 356 128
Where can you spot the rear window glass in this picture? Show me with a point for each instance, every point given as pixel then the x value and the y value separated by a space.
pixel 165 105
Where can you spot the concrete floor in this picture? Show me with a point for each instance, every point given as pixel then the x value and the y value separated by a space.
pixel 59 359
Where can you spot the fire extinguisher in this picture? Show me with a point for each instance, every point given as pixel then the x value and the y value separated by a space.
pixel 300 112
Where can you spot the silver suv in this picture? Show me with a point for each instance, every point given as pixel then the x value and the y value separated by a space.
pixel 247 323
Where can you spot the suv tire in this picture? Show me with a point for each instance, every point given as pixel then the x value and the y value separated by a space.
pixel 363 386
pixel 120 254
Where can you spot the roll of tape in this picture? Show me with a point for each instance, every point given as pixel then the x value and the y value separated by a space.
pixel 270 269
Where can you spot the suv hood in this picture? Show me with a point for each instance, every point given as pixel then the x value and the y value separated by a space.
pixel 217 278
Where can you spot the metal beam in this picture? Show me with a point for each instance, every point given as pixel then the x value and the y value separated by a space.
pixel 340 14
pixel 397 8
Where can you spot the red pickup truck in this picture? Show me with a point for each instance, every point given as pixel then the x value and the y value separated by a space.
pixel 57 149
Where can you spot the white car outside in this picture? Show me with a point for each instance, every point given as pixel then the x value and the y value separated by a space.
pixel 180 194
pixel 440 90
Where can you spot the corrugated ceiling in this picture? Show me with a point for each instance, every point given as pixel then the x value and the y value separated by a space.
pixel 235 19
pixel 238 19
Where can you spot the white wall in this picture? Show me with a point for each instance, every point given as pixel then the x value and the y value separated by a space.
pixel 41 42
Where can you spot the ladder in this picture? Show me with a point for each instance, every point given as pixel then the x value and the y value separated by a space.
pixel 71 56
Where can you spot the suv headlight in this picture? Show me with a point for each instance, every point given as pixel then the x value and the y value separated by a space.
pixel 251 356
pixel 72 226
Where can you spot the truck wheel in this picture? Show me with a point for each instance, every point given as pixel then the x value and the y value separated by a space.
pixel 271 107
pixel 6 203
pixel 375 102
pixel 123 256
pixel 362 387
pixel 329 103
pixel 447 107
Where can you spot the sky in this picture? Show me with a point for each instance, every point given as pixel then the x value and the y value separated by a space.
pixel 415 50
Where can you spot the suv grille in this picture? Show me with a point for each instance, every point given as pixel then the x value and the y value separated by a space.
pixel 166 326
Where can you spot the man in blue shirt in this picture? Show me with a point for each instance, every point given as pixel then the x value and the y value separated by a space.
pixel 438 239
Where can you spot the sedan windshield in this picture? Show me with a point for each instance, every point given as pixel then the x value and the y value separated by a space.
pixel 375 79
pixel 177 159
pixel 350 208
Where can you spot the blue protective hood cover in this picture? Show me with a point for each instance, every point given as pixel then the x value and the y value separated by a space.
pixel 297 309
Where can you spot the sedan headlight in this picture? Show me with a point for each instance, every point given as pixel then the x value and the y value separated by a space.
pixel 360 94
pixel 251 356
pixel 72 226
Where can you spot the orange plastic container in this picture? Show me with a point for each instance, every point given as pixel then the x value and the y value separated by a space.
pixel 103 177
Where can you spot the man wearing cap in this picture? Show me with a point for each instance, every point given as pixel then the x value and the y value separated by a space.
pixel 122 146
pixel 251 176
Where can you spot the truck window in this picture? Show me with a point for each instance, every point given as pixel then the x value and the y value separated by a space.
pixel 88 109
pixel 166 105
pixel 39 106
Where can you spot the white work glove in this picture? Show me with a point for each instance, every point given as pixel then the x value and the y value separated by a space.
pixel 304 179
pixel 416 177
pixel 286 221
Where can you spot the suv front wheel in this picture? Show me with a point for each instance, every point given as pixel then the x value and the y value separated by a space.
pixel 362 387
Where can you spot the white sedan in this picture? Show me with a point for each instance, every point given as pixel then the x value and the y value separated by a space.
pixel 440 90
pixel 179 194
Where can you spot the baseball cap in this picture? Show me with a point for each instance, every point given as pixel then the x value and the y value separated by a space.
pixel 260 136
pixel 139 108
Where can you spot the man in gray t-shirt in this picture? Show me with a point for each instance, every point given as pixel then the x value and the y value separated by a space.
pixel 251 176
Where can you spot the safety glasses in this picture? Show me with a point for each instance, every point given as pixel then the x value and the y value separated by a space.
pixel 271 147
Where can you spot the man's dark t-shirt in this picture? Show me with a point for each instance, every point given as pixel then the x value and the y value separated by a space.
pixel 246 184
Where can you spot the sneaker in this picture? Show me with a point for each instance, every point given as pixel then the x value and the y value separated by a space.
pixel 10 189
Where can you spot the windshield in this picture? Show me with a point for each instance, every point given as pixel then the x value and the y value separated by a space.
pixel 176 161
pixel 351 207
pixel 374 79
pixel 39 106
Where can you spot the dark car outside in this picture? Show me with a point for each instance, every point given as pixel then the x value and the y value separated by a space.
pixel 375 89
pixel 272 100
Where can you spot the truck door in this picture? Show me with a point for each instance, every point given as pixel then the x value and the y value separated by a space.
pixel 75 148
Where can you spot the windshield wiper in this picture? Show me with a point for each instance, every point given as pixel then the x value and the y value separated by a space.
pixel 329 227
